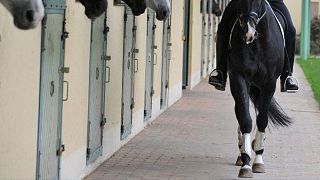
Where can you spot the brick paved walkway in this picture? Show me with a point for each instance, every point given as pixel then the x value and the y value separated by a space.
pixel 196 139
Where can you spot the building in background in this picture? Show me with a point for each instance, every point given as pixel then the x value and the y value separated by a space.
pixel 295 8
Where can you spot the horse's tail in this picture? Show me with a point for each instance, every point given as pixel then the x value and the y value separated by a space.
pixel 277 116
pixel 275 113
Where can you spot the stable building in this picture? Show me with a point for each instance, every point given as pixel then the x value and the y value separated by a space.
pixel 73 91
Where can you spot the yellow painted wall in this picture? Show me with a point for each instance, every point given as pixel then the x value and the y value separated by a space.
pixel 295 11
pixel 141 23
pixel 157 66
pixel 177 44
pixel 295 8
pixel 195 42
pixel 114 88
pixel 75 110
pixel 19 96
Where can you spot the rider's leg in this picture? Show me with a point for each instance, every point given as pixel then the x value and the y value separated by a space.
pixel 229 16
pixel 287 82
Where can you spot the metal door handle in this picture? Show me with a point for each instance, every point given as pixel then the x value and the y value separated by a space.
pixel 97 73
pixel 109 70
pixel 155 60
pixel 136 65
pixel 51 88
pixel 67 98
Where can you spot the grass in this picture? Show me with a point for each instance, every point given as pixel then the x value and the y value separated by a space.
pixel 311 68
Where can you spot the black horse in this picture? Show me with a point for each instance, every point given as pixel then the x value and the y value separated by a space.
pixel 257 56
pixel 216 9
pixel 95 8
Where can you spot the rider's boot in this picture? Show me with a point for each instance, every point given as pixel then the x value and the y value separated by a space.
pixel 218 77
pixel 289 83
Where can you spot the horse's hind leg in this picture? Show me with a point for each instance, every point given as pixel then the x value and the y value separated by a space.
pixel 261 100
pixel 258 143
pixel 258 147
pixel 239 90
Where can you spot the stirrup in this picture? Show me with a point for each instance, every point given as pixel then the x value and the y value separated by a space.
pixel 216 85
pixel 218 72
pixel 285 82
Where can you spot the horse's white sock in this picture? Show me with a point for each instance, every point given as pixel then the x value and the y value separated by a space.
pixel 259 141
pixel 246 167
pixel 246 146
pixel 258 159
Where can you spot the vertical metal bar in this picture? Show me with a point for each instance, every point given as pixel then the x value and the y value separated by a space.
pixel 305 30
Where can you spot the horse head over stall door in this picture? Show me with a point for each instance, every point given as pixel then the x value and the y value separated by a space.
pixel 216 9
pixel 257 56
pixel 94 8
pixel 26 13
pixel 161 7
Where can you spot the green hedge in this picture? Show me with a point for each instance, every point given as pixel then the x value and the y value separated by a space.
pixel 314 39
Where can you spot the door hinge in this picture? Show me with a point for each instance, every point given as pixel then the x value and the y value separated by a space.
pixel 88 152
pixel 103 121
pixel 105 32
pixel 125 16
pixel 64 35
pixel 132 104
pixel 152 92
pixel 122 129
pixel 134 28
pixel 145 113
pixel 61 150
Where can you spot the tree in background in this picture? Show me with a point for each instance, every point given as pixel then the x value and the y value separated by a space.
pixel 315 38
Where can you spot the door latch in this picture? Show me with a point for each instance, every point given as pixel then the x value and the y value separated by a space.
pixel 61 150
pixel 65 70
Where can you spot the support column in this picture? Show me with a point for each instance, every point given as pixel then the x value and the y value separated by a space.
pixel 305 30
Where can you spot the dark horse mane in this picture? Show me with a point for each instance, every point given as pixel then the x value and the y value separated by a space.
pixel 259 63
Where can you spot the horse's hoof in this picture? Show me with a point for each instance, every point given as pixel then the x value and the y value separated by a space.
pixel 245 173
pixel 239 161
pixel 258 168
